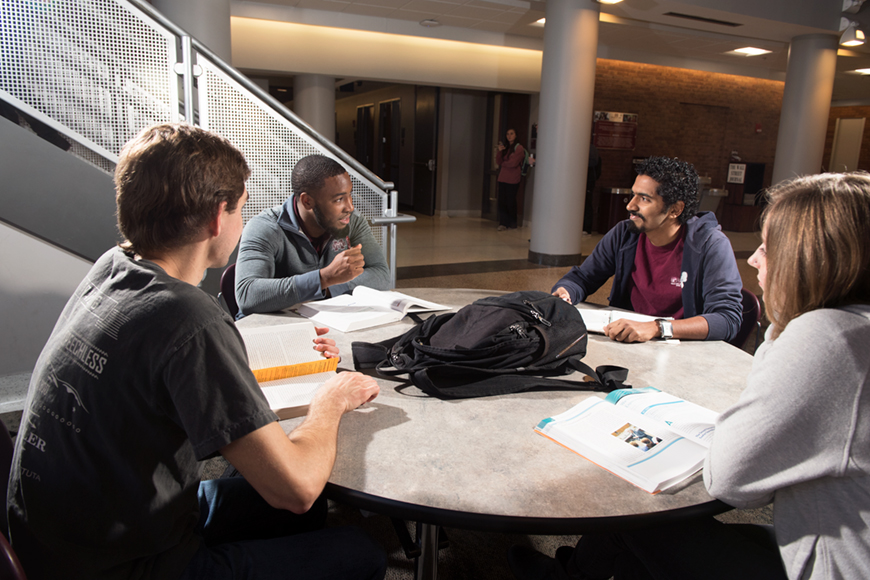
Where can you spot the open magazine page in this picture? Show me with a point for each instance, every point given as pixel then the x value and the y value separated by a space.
pixel 687 419
pixel 274 346
pixel 348 312
pixel 633 446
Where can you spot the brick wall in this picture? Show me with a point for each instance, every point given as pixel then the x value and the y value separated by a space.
pixel 847 113
pixel 697 116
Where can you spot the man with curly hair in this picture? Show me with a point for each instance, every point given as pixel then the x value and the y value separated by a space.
pixel 667 260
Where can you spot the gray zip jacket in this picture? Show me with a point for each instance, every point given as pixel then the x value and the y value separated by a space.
pixel 279 267
pixel 800 436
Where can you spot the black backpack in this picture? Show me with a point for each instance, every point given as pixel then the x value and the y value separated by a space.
pixel 496 345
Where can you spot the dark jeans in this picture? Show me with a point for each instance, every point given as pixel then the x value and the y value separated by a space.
pixel 705 549
pixel 247 538
pixel 507 204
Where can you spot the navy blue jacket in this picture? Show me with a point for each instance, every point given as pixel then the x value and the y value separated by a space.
pixel 711 281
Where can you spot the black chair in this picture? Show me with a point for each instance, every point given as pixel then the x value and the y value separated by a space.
pixel 751 320
pixel 228 289
pixel 10 567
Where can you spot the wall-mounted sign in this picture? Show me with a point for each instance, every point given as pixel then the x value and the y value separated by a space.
pixel 736 172
pixel 614 130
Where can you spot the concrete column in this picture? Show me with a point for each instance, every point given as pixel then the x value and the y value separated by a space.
pixel 565 124
pixel 806 106
pixel 314 101
pixel 208 21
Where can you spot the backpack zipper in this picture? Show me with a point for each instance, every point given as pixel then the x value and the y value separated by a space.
pixel 536 314
pixel 517 329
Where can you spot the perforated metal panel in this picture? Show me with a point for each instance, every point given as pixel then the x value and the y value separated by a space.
pixel 271 144
pixel 100 68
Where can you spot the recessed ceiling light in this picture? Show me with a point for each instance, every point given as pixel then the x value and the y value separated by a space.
pixel 862 71
pixel 609 1
pixel 430 23
pixel 538 22
pixel 750 51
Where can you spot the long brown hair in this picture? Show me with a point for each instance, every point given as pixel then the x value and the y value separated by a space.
pixel 817 237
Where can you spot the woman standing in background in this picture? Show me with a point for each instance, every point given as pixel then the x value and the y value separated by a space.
pixel 510 162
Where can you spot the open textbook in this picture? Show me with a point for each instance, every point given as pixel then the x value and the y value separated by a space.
pixel 596 319
pixel 286 365
pixel 365 308
pixel 647 437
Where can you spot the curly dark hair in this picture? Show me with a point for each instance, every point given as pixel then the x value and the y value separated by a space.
pixel 678 181
pixel 310 173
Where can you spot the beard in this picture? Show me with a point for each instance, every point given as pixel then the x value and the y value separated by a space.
pixel 335 232
pixel 638 227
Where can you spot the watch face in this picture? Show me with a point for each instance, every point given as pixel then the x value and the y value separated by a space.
pixel 666 328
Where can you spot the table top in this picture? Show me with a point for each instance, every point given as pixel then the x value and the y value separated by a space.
pixel 478 464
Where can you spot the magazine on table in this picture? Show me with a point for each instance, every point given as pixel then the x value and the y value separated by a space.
pixel 649 438
pixel 286 365
pixel 365 308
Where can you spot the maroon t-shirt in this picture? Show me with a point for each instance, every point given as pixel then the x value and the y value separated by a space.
pixel 656 278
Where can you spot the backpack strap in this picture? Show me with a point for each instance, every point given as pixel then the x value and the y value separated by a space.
pixel 458 382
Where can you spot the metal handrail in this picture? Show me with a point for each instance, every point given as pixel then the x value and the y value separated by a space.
pixel 265 96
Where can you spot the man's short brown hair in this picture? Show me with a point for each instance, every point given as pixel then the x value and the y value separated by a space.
pixel 170 182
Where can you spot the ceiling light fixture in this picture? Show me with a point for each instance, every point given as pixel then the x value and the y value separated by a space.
pixel 750 51
pixel 862 71
pixel 608 1
pixel 852 6
pixel 851 36
pixel 430 23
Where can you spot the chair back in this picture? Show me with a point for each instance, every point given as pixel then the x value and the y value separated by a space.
pixel 228 289
pixel 7 446
pixel 751 316
pixel 10 567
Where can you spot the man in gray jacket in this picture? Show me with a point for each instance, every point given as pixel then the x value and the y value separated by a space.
pixel 312 246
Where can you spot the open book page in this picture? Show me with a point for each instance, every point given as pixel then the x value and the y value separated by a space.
pixel 596 319
pixel 290 397
pixel 286 365
pixel 684 418
pixel 634 446
pixel 285 344
pixel 396 300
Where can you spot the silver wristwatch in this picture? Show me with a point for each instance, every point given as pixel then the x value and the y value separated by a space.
pixel 665 328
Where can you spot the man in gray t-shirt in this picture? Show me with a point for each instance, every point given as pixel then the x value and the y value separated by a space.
pixel 144 377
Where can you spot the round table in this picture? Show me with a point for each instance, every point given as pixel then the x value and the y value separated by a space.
pixel 478 464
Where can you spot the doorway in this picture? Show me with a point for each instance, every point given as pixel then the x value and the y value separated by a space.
pixel 390 137
pixel 425 148
pixel 848 135
pixel 364 141
pixel 504 111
